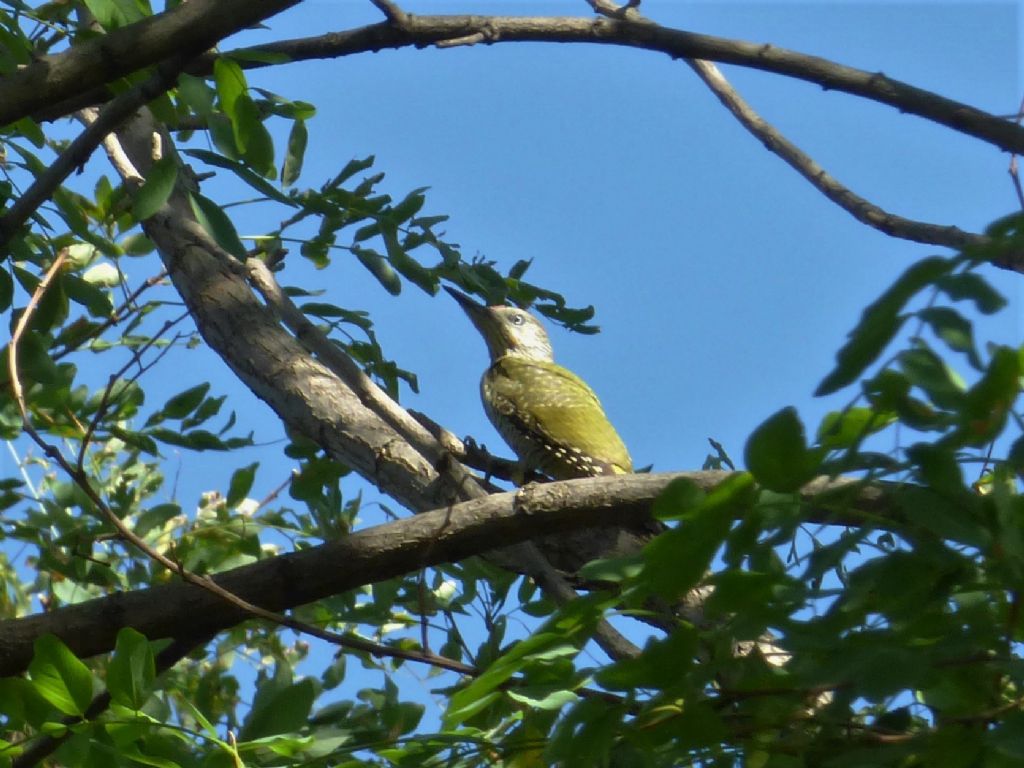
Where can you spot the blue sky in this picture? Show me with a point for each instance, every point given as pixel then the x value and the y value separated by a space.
pixel 723 282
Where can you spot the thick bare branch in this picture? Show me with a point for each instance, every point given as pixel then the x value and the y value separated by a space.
pixel 304 392
pixel 186 31
pixel 420 31
pixel 397 548
pixel 370 395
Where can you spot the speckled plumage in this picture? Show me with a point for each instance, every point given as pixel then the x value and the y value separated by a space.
pixel 548 415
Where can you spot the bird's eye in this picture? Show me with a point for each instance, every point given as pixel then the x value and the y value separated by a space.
pixel 518 319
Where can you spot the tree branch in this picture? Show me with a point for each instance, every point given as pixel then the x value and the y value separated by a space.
pixel 328 399
pixel 391 11
pixel 186 31
pixel 397 548
pixel 860 208
pixel 421 31
pixel 112 115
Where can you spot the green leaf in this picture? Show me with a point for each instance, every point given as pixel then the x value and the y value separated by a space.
pixel 241 484
pixel 676 560
pixel 157 188
pixel 231 86
pixel 925 369
pixel 132 669
pixel 678 499
pixel 21 704
pixel 182 404
pixel 294 154
pixel 135 439
pixel 137 244
pixel 777 455
pixel 406 265
pixel 34 361
pixel 222 131
pixel 156 517
pixel 584 736
pixel 196 94
pixel 84 292
pixel 379 268
pixel 216 223
pixel 880 322
pixel 61 678
pixel 973 287
pixel 954 329
pixel 352 167
pixel 462 708
pixel 132 752
pixel 278 709
pixel 6 290
pixel 253 138
pixel 845 429
pixel 937 467
pixel 988 402
pixel 663 662
pixel 560 637
pixel 889 391
pixel 261 57
pixel 250 137
pixel 409 206
pixel 611 569
pixel 197 439
pixel 103 274
pixel 548 698
pixel 519 269
pixel 113 14
pixel 246 174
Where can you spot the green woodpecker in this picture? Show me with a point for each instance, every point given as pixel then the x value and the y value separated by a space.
pixel 547 414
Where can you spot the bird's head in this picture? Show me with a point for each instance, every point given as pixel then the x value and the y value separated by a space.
pixel 507 330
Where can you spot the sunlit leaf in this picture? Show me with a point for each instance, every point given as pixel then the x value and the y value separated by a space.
pixel 132 669
pixel 61 678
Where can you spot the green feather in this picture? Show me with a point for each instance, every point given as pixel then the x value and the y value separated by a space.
pixel 552 419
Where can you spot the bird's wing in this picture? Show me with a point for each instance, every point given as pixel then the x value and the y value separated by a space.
pixel 550 400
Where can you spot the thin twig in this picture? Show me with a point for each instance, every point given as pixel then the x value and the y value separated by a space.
pixel 107 397
pixel 276 492
pixel 116 316
pixel 859 207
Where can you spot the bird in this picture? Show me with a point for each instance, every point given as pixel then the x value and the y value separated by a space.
pixel 548 415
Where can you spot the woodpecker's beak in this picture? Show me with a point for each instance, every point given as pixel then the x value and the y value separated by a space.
pixel 477 312
pixel 482 317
